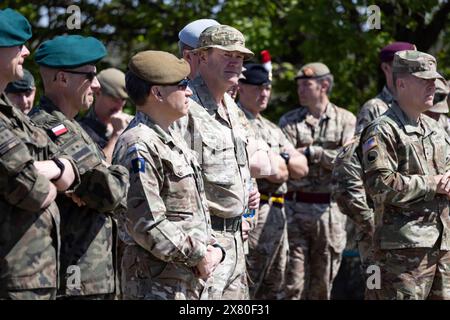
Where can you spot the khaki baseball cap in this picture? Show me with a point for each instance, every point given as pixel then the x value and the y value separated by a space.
pixel 112 81
pixel 224 37
pixel 416 63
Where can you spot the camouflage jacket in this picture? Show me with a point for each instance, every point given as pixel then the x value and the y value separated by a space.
pixel 444 121
pixel 277 142
pixel 348 187
pixel 400 159
pixel 167 208
pixel 219 138
pixel 324 136
pixel 96 129
pixel 29 237
pixel 88 233
pixel 373 108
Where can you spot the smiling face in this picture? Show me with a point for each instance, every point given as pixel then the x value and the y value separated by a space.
pixel 11 61
pixel 224 66
pixel 80 88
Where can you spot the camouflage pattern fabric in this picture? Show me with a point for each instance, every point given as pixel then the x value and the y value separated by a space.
pixel 167 227
pixel 316 232
pixel 444 121
pixel 324 136
pixel 316 240
pixel 400 158
pixel 373 108
pixel 88 233
pixel 412 274
pixel 219 139
pixel 268 241
pixel 29 237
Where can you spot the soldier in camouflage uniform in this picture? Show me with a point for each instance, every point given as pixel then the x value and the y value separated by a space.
pixel 88 228
pixel 218 131
pixel 268 241
pixel 170 252
pixel 349 193
pixel 375 107
pixel 316 227
pixel 29 217
pixel 439 110
pixel 406 162
pixel 105 120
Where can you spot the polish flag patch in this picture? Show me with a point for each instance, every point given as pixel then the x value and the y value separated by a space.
pixel 59 130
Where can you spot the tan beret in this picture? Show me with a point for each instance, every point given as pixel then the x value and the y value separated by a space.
pixel 159 67
pixel 112 81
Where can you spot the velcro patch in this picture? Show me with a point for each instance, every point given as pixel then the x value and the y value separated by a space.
pixel 59 130
pixel 369 144
pixel 7 140
pixel 138 165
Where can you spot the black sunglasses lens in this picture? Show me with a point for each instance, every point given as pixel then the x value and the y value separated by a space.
pixel 183 84
pixel 438 97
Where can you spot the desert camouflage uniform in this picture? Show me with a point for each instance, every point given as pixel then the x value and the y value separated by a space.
pixel 219 138
pixel 29 236
pixel 167 226
pixel 411 240
pixel 88 233
pixel 444 121
pixel 373 108
pixel 316 231
pixel 349 193
pixel 268 242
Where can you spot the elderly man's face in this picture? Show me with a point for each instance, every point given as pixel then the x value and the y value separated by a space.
pixel 417 93
pixel 11 61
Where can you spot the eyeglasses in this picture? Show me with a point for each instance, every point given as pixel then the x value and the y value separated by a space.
pixel 439 97
pixel 182 85
pixel 89 75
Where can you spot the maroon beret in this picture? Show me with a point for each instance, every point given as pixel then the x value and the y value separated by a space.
pixel 387 53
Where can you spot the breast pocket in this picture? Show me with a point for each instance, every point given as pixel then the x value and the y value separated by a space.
pixel 180 191
pixel 219 162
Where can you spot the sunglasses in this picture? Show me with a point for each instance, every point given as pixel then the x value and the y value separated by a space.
pixel 89 75
pixel 439 97
pixel 182 85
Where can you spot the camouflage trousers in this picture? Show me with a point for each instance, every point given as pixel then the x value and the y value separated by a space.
pixel 317 237
pixel 30 294
pixel 144 277
pixel 229 280
pixel 268 253
pixel 412 274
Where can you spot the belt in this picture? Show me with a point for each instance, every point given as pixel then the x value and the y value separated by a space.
pixel 308 197
pixel 223 224
pixel 277 200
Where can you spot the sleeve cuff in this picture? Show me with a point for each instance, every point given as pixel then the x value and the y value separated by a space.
pixel 432 187
pixel 37 194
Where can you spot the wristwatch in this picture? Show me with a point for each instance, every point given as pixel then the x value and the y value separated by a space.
pixel 307 153
pixel 61 167
pixel 216 245
pixel 285 156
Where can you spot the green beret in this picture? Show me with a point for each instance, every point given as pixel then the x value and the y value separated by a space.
pixel 69 52
pixel 159 67
pixel 15 29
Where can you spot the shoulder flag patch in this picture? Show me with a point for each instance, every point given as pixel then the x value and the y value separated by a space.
pixel 369 144
pixel 59 130
pixel 138 165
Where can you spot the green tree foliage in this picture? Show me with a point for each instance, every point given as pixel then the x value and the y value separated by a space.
pixel 294 31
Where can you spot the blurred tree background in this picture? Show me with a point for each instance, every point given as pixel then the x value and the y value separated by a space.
pixel 294 31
